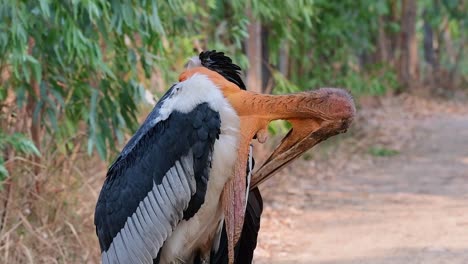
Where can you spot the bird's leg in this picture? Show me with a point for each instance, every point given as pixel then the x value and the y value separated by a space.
pixel 233 197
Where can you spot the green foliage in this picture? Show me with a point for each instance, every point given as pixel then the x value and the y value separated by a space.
pixel 279 127
pixel 373 82
pixel 282 84
pixel 84 58
pixel 323 38
pixel 86 63
pixel 20 144
pixel 448 15
pixel 380 151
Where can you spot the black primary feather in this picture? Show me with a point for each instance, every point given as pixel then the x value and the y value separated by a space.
pixel 218 62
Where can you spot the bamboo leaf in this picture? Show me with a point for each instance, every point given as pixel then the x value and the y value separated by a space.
pixel 3 174
pixel 44 5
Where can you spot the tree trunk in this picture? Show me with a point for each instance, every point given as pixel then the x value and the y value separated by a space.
pixel 254 53
pixel 382 42
pixel 267 79
pixel 284 58
pixel 429 52
pixel 449 47
pixel 254 72
pixel 408 60
pixel 458 59
pixel 393 37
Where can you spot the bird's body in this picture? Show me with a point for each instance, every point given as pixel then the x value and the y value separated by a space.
pixel 161 198
pixel 179 192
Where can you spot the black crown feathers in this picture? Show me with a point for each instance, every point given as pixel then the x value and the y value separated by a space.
pixel 218 62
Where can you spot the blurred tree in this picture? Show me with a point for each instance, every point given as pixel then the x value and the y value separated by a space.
pixel 444 41
pixel 73 72
pixel 72 65
pixel 254 52
pixel 408 61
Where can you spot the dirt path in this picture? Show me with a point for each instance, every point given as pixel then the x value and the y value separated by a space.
pixel 407 208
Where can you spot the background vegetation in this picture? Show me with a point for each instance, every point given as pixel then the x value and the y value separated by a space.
pixel 75 73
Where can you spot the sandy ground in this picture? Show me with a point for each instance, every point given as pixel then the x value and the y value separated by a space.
pixel 408 208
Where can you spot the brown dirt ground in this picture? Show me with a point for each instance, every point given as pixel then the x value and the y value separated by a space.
pixel 346 206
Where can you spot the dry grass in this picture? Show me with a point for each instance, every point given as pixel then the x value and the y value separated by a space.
pixel 55 225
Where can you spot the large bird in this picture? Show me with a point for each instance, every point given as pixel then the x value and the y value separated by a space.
pixel 182 189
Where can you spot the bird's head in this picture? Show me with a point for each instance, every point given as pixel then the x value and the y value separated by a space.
pixel 314 115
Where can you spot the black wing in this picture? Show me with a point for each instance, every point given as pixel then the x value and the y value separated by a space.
pixel 159 179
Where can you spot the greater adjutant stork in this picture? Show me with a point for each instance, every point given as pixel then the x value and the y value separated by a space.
pixel 182 189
